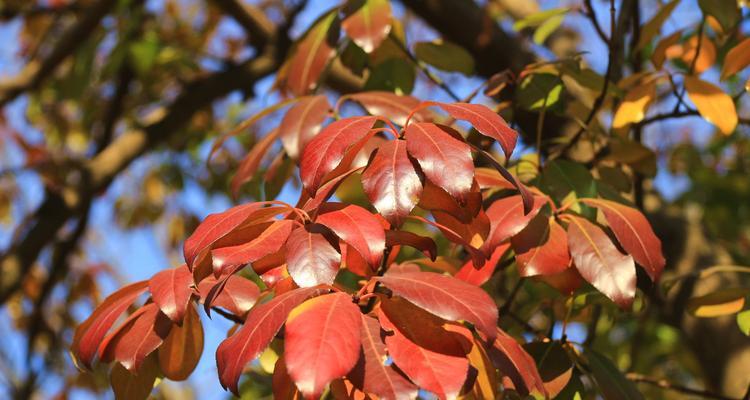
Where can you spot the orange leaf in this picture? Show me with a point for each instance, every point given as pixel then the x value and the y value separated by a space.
pixel 737 59
pixel 713 104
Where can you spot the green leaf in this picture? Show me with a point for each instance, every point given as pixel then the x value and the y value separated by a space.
pixel 539 90
pixel 445 56
pixel 354 58
pixel 612 383
pixel 564 178
pixel 725 11
pixel 394 75
pixel 143 53
pixel 743 321
pixel 545 29
pixel 540 18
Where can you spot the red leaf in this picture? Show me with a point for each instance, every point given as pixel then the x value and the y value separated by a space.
pixel 354 262
pixel 489 178
pixel 429 355
pixel 446 297
pixel 507 219
pixel 322 341
pixel 249 165
pixel 171 290
pixel 90 333
pixel 324 192
pixel 367 25
pixel 515 363
pixel 327 150
pixel 137 338
pixel 422 243
pixel 634 233
pixel 360 229
pixel 474 232
pixel 477 255
pixel 600 262
pixel 182 349
pixel 436 199
pixel 486 121
pixel 389 105
pixel 444 159
pixel 312 54
pixel 391 182
pixel 269 242
pixel 237 296
pixel 542 247
pixel 371 374
pixel 261 326
pixel 302 122
pixel 479 275
pixel 311 259
pixel 566 282
pixel 526 195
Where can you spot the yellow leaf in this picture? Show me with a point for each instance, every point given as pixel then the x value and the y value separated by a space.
pixel 716 304
pixel 713 104
pixel 737 59
pixel 635 104
pixel 686 52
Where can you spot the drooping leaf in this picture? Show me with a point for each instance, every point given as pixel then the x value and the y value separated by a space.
pixel 612 383
pixel 90 333
pixel 635 104
pixel 327 150
pixel 302 122
pixel 367 22
pixel 718 303
pixel 322 341
pixel 600 262
pixel 182 349
pixel 238 294
pixel 429 355
pixel 250 164
pixel 653 26
pixel 311 259
pixel 391 182
pixel 136 338
pixel 514 362
pixel 171 290
pixel 134 386
pixel 444 159
pixel 422 243
pixel 634 233
pixel 360 229
pixel 737 59
pixel 446 297
pixel 479 275
pixel 445 56
pixel 371 374
pixel 260 327
pixel 713 104
pixel 312 54
pixel 268 242
pixel 389 105
pixel 541 247
pixel 507 219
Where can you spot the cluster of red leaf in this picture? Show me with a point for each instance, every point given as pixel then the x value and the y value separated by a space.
pixel 403 328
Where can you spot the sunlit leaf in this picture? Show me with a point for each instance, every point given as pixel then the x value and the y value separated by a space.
pixel 360 229
pixel 737 59
pixel 311 259
pixel 718 303
pixel 367 22
pixel 312 54
pixel 635 104
pixel 541 247
pixel 714 105
pixel 171 290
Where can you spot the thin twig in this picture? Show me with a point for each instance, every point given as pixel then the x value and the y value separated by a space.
pixel 591 14
pixel 434 79
pixel 675 387
pixel 692 63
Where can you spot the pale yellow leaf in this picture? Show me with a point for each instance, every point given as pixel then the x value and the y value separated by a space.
pixel 716 304
pixel 713 104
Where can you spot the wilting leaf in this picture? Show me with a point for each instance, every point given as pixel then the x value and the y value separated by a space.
pixel 635 104
pixel 237 295
pixel 438 152
pixel 515 363
pixel 182 349
pixel 600 262
pixel 367 22
pixel 713 104
pixel 634 233
pixel 360 229
pixel 171 290
pixel 328 149
pixel 541 247
pixel 716 304
pixel 312 54
pixel 445 56
pixel 429 355
pixel 134 386
pixel 737 59
pixel 322 341
pixel 389 105
pixel 302 122
pixel 391 182
pixel 268 242
pixel 90 333
pixel 446 297
pixel 507 219
pixel 371 374
pixel 611 382
pixel 653 26
pixel 311 259
pixel 479 275
pixel 261 326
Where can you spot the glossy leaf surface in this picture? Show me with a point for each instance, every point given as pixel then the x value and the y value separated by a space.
pixel 171 290
pixel 360 229
pixel 311 259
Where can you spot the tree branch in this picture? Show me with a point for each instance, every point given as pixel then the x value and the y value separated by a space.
pixel 675 387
